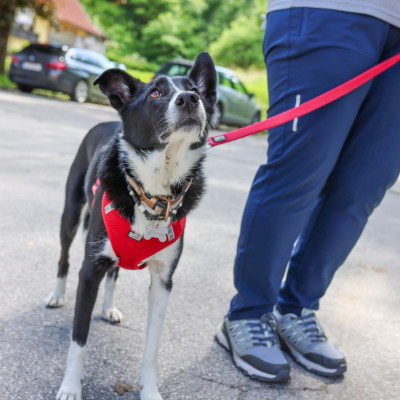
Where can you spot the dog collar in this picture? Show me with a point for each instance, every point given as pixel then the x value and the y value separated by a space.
pixel 155 207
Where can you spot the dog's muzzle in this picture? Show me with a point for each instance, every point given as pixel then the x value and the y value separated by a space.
pixel 187 101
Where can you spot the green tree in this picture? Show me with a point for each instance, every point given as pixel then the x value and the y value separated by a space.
pixel 219 16
pixel 44 8
pixel 124 20
pixel 240 44
pixel 190 27
pixel 163 29
pixel 179 32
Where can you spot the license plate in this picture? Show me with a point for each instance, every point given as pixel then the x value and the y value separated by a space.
pixel 32 66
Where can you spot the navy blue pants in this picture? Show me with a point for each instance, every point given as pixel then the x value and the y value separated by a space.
pixel 326 171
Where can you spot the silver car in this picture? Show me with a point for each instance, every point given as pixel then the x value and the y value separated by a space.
pixel 235 105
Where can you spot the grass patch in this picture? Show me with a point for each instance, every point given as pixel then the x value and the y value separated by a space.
pixel 255 81
pixel 50 93
pixel 5 83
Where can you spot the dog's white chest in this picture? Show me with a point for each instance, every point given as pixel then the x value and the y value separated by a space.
pixel 159 170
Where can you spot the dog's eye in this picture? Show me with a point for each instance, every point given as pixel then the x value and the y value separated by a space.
pixel 195 90
pixel 155 93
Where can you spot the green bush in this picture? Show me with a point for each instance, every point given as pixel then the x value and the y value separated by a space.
pixel 240 45
pixel 144 76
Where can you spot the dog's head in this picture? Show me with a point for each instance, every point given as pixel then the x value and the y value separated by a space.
pixel 165 110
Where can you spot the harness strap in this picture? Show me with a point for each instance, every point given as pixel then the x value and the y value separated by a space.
pixel 131 248
pixel 161 205
pixel 95 188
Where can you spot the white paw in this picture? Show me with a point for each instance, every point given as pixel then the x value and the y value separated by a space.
pixel 69 392
pixel 113 315
pixel 150 395
pixel 55 300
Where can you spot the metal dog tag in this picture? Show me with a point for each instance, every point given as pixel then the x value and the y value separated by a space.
pixel 155 232
pixel 171 234
pixel 134 235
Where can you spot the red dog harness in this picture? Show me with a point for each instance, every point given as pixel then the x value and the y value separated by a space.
pixel 130 247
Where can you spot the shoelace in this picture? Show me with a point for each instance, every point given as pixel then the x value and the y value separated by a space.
pixel 312 328
pixel 263 331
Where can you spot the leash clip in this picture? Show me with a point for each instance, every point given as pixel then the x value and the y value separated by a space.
pixel 219 138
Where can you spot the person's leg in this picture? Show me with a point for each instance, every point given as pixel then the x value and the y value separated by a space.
pixel 307 52
pixel 368 165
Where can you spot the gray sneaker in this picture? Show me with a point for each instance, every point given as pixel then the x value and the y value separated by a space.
pixel 304 338
pixel 254 346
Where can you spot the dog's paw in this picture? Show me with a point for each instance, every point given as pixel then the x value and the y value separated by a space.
pixel 150 395
pixel 112 314
pixel 69 392
pixel 55 300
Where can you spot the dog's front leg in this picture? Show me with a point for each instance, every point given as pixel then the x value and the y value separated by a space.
pixel 89 279
pixel 157 308
pixel 110 311
pixel 159 292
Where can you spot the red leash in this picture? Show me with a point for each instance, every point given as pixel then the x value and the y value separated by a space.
pixel 306 107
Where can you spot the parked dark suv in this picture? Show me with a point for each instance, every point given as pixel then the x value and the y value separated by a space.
pixel 69 70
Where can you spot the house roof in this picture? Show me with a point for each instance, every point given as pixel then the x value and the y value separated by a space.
pixel 72 12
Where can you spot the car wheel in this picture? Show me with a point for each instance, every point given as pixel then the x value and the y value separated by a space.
pixel 80 92
pixel 256 118
pixel 217 117
pixel 25 88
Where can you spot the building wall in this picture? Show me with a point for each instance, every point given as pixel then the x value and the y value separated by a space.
pixel 62 34
pixel 94 43
pixel 42 28
pixel 71 36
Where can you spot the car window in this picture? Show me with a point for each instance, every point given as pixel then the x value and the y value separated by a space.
pixel 43 49
pixel 100 60
pixel 77 57
pixel 92 59
pixel 176 69
pixel 237 85
pixel 224 80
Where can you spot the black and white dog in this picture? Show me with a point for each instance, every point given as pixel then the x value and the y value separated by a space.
pixel 147 171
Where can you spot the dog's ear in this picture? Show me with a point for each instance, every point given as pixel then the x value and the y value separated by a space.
pixel 118 86
pixel 204 75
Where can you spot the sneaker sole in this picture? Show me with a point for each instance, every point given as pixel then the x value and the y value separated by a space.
pixel 309 365
pixel 247 369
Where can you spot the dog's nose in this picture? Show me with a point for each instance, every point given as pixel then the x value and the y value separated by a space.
pixel 187 100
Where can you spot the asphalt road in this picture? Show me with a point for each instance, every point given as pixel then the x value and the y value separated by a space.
pixel 38 139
